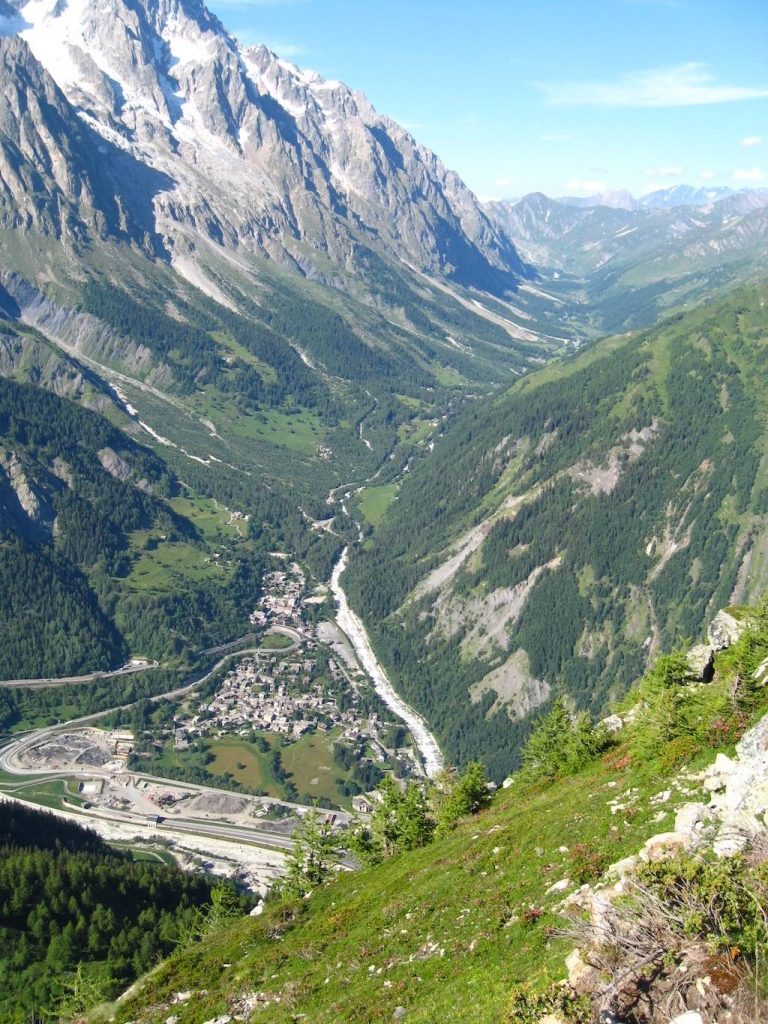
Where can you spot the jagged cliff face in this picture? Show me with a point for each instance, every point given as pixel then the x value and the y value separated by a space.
pixel 227 145
pixel 39 140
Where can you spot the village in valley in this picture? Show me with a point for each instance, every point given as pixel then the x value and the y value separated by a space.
pixel 302 692
pixel 220 776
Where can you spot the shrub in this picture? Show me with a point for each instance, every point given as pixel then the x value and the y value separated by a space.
pixel 528 1007
pixel 720 900
pixel 587 863
pixel 678 752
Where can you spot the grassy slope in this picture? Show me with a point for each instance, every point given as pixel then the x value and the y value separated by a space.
pixel 375 501
pixel 439 930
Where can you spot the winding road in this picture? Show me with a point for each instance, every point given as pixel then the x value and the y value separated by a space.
pixel 12 763
pixel 51 682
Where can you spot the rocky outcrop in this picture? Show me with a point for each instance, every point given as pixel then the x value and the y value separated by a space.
pixel 120 468
pixel 25 357
pixel 24 506
pixel 701 661
pixel 739 789
pixel 661 968
pixel 114 464
pixel 724 630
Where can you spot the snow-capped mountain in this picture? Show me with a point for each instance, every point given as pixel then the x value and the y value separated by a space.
pixel 683 195
pixel 660 199
pixel 238 149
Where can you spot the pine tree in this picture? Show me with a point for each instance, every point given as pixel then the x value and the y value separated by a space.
pixel 466 795
pixel 546 750
pixel 315 853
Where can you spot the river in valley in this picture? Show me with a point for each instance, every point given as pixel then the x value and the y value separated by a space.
pixel 352 626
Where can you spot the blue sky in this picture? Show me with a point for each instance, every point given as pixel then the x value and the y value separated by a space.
pixel 561 96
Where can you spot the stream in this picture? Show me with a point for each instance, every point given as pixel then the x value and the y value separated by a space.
pixel 351 624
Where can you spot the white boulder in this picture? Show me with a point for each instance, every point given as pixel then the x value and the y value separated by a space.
pixel 724 630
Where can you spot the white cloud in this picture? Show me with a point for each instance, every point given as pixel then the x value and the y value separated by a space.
pixel 753 174
pixel 686 85
pixel 652 186
pixel 707 174
pixel 503 182
pixel 585 187
pixel 751 140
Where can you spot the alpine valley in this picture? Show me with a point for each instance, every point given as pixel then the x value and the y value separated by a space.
pixel 320 478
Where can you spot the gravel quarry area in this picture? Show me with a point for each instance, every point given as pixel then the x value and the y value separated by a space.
pixel 78 749
pixel 253 866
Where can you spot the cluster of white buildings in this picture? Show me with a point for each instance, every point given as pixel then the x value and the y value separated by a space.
pixel 282 697
pixel 281 600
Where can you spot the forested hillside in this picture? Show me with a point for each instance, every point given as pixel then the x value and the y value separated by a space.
pixel 79 919
pixel 100 554
pixel 560 534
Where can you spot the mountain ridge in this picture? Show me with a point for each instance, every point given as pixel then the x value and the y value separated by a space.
pixel 307 164
pixel 590 495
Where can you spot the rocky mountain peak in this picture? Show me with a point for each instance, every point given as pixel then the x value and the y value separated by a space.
pixel 258 155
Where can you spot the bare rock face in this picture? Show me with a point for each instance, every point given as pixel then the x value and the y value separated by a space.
pixel 664 845
pixel 114 464
pixel 582 977
pixel 212 143
pixel 79 333
pixel 612 724
pixel 58 177
pixel 690 819
pixel 24 506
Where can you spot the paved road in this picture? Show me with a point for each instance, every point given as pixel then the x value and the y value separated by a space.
pixel 50 682
pixel 53 681
pixel 249 835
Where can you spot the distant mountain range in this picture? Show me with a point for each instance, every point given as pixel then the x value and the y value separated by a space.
pixel 637 258
pixel 661 199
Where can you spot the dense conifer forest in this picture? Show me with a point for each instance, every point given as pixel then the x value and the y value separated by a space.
pixel 672 420
pixel 79 919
